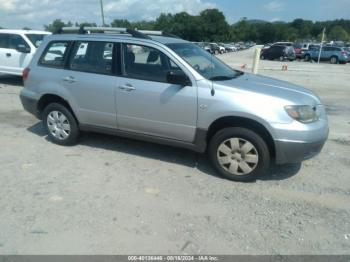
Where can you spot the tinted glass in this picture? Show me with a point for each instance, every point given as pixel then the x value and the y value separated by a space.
pixel 92 57
pixel 4 40
pixel 54 54
pixel 11 41
pixel 147 63
pixel 16 40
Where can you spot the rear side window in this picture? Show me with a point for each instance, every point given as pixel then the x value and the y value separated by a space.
pixel 92 57
pixel 54 54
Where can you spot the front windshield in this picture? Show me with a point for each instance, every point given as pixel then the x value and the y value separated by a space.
pixel 204 63
pixel 36 39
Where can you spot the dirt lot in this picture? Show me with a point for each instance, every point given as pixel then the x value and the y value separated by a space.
pixel 110 195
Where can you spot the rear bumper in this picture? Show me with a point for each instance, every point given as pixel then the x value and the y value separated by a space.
pixel 296 152
pixel 30 104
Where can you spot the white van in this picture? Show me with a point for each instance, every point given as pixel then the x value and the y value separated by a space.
pixel 17 48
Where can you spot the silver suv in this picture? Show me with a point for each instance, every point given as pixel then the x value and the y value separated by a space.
pixel 159 88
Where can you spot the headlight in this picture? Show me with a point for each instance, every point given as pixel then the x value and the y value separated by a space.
pixel 304 114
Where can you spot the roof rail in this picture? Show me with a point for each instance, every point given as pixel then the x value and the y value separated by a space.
pixel 105 30
pixel 159 33
pixel 145 34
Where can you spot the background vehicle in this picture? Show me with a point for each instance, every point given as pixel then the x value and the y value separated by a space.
pixel 332 54
pixel 298 51
pixel 230 48
pixel 17 48
pixel 279 52
pixel 170 91
pixel 215 48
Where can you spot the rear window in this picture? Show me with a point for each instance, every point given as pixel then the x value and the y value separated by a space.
pixel 36 39
pixel 54 54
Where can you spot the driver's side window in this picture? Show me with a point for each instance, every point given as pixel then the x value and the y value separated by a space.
pixel 146 63
pixel 16 40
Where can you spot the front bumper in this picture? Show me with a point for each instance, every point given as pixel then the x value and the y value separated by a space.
pixel 297 142
pixel 296 152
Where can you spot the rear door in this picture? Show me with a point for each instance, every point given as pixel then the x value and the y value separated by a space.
pixel 91 82
pixel 147 104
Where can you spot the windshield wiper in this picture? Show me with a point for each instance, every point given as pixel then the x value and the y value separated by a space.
pixel 221 78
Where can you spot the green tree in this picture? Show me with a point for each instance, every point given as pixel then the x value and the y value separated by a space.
pixel 338 33
pixel 214 25
pixel 56 25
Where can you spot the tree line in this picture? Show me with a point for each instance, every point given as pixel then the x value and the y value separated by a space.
pixel 211 25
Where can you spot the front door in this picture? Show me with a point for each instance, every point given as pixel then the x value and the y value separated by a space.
pixel 147 104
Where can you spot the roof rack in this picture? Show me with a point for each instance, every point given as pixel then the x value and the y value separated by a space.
pixel 145 34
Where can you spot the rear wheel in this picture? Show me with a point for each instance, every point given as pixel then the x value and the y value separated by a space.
pixel 334 60
pixel 60 124
pixel 262 57
pixel 239 154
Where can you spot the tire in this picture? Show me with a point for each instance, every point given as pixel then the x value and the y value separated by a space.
pixel 259 154
pixel 334 60
pixel 307 58
pixel 60 124
pixel 281 58
pixel 262 57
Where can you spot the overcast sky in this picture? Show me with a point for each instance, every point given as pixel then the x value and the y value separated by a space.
pixel 36 13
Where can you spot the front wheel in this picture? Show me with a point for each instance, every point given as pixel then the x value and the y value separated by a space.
pixel 239 154
pixel 60 124
pixel 334 60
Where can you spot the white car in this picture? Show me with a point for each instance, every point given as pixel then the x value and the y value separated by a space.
pixel 17 48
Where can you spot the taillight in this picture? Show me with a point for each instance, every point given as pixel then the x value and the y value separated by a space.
pixel 25 73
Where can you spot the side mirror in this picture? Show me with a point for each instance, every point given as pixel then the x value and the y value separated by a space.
pixel 177 77
pixel 23 49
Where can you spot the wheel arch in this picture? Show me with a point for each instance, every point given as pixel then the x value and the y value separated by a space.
pixel 236 121
pixel 47 99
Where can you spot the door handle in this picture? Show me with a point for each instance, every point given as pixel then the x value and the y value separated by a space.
pixel 69 79
pixel 8 54
pixel 127 88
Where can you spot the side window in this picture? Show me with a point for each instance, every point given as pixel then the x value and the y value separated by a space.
pixel 4 40
pixel 146 63
pixel 54 54
pixel 92 57
pixel 16 40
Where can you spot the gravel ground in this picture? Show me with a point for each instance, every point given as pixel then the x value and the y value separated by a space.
pixel 111 195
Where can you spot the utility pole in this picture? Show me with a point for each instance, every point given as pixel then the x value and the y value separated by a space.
pixel 319 54
pixel 102 14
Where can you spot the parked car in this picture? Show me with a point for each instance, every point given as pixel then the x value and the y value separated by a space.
pixel 332 54
pixel 230 48
pixel 17 48
pixel 172 93
pixel 298 50
pixel 222 48
pixel 279 52
pixel 215 48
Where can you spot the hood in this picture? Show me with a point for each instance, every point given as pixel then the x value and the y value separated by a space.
pixel 272 87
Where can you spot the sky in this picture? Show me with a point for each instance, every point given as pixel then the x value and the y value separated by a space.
pixel 36 13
